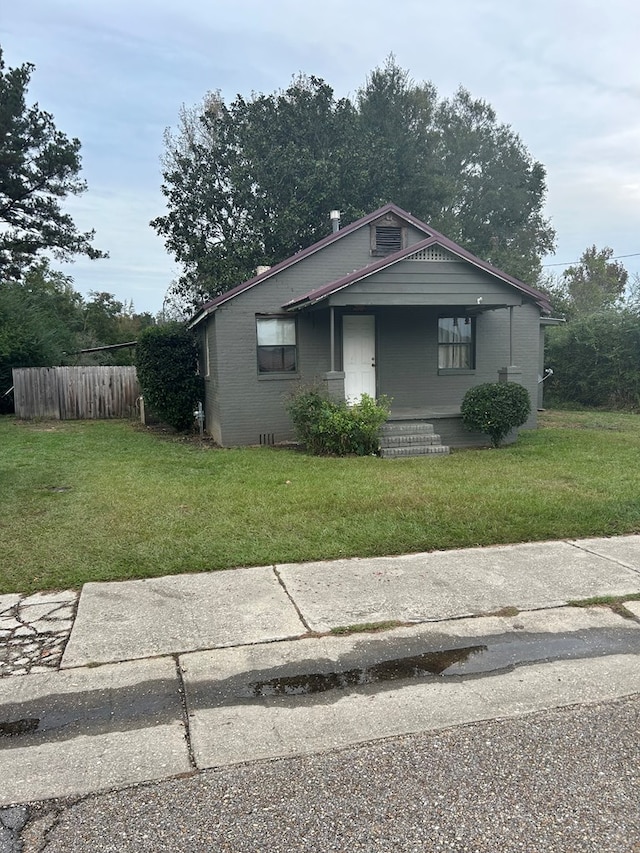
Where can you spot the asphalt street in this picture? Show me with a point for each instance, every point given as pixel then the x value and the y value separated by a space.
pixel 478 700
pixel 562 781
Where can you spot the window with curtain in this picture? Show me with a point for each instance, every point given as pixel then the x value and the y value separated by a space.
pixel 456 343
pixel 277 350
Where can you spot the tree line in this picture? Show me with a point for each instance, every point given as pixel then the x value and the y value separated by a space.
pixel 595 352
pixel 43 320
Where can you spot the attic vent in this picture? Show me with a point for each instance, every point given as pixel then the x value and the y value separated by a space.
pixel 388 239
pixel 432 253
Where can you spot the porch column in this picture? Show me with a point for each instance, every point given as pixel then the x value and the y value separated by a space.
pixel 510 373
pixel 334 379
pixel 332 337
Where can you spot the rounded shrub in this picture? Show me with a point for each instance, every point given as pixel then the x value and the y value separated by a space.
pixel 166 364
pixel 495 408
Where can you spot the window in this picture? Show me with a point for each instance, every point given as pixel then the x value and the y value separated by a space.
pixel 456 343
pixel 277 351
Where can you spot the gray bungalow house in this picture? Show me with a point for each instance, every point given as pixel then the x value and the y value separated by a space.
pixel 385 305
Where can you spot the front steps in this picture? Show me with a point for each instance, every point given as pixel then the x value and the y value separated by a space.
pixel 410 438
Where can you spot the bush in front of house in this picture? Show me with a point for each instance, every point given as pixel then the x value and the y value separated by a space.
pixel 167 363
pixel 495 408
pixel 328 427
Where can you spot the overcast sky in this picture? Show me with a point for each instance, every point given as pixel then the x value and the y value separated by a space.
pixel 565 74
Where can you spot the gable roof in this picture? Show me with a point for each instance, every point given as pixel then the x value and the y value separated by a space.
pixel 440 240
pixel 214 303
pixel 433 237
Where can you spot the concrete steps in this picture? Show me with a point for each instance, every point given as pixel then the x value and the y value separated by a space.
pixel 410 438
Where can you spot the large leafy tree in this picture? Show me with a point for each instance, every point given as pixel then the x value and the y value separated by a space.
pixel 492 190
pixel 254 181
pixel 596 282
pixel 39 167
pixel 301 157
pixel 593 284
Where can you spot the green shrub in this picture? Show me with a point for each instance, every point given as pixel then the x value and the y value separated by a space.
pixel 328 427
pixel 595 361
pixel 495 408
pixel 166 363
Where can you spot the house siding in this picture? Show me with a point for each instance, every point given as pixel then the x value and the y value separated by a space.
pixel 407 360
pixel 246 405
pixel 208 347
pixel 243 407
pixel 427 283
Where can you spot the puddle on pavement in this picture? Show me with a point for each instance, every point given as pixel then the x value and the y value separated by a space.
pixel 19 727
pixel 384 662
pixel 93 712
pixel 417 666
pixel 492 654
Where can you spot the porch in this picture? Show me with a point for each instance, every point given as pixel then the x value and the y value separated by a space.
pixel 426 430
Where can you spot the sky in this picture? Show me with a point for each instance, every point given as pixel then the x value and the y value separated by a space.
pixel 564 74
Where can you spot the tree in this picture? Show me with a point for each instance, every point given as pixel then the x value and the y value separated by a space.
pixel 302 157
pixel 39 320
pixel 595 282
pixel 39 167
pixel 493 189
pixel 396 125
pixel 253 182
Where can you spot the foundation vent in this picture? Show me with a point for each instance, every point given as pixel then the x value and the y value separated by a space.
pixel 267 438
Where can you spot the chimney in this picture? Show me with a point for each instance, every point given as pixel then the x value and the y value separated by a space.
pixel 334 216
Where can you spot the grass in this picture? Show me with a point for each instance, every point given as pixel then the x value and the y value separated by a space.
pixel 105 500
pixel 614 602
pixel 366 627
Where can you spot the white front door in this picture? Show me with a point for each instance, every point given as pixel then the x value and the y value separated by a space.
pixel 359 356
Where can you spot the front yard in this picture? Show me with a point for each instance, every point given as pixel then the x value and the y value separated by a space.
pixel 82 501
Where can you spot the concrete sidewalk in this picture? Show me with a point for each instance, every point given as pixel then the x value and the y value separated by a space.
pixel 166 676
pixel 171 615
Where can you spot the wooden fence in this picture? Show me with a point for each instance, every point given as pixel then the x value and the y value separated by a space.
pixel 70 393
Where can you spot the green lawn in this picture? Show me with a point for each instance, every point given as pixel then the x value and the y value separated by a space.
pixel 106 500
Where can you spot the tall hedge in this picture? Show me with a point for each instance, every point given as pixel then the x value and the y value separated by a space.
pixel 595 361
pixel 167 364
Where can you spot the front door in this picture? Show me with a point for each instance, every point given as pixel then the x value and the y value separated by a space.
pixel 359 356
